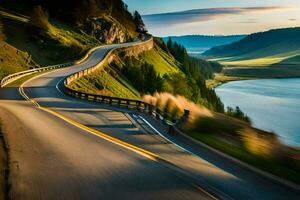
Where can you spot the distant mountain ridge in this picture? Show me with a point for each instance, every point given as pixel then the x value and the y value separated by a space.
pixel 262 44
pixel 204 42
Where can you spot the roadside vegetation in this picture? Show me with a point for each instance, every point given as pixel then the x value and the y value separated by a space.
pixel 36 33
pixel 165 76
pixel 12 60
pixel 233 136
pixel 165 68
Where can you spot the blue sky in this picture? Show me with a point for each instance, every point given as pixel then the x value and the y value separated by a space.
pixel 216 17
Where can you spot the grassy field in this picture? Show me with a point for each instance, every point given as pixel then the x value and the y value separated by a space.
pixel 260 61
pixel 221 78
pixel 287 71
pixel 265 63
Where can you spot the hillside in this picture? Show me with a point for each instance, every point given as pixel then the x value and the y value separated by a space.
pixel 273 53
pixel 164 68
pixel 38 33
pixel 199 43
pixel 115 80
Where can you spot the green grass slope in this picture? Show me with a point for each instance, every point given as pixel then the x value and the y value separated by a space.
pixel 13 60
pixel 60 43
pixel 110 81
pixel 52 34
pixel 163 63
pixel 105 82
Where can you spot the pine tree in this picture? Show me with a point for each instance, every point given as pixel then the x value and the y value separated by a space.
pixel 140 26
pixel 93 8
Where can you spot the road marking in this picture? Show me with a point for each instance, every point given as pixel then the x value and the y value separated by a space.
pixel 147 154
pixel 102 135
pixel 159 133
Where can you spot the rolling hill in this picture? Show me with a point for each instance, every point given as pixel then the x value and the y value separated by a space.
pixel 39 33
pixel 266 48
pixel 274 53
pixel 199 43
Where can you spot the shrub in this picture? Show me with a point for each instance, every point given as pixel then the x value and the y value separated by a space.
pixel 260 144
pixel 215 125
pixel 2 36
pixel 40 18
pixel 237 113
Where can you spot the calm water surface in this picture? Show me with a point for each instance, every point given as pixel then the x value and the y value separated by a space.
pixel 272 104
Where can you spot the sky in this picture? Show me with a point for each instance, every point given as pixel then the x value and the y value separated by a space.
pixel 216 17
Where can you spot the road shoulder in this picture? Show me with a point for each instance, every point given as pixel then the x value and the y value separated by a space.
pixel 4 164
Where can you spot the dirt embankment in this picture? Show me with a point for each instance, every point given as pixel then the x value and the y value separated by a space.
pixel 3 166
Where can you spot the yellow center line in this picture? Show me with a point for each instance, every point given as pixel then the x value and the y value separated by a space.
pixel 138 150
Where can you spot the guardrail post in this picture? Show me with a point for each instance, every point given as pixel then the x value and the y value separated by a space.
pixel 185 116
pixel 110 101
pixel 165 117
pixel 150 109
pixel 127 103
pixel 171 130
pixel 119 102
pixel 138 104
pixel 157 113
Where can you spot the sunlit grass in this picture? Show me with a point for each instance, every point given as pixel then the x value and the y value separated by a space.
pixel 101 82
pixel 221 78
pixel 234 137
pixel 171 103
pixel 14 17
pixel 162 62
pixel 259 61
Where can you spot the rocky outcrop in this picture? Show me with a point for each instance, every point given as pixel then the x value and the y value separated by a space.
pixel 136 49
pixel 106 30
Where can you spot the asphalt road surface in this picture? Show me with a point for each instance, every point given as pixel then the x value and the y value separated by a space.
pixel 53 158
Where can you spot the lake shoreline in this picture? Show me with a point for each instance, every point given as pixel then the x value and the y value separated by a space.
pixel 240 78
pixel 263 100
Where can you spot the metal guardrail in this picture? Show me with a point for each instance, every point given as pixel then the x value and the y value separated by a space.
pixel 138 105
pixel 10 78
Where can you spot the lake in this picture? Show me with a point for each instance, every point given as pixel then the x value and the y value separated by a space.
pixel 272 104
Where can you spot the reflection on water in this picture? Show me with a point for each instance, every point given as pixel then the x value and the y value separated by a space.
pixel 272 104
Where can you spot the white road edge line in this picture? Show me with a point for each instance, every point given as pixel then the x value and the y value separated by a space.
pixel 159 133
pixel 258 171
pixel 56 86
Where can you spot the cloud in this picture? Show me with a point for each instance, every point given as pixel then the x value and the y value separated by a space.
pixel 292 19
pixel 248 21
pixel 201 15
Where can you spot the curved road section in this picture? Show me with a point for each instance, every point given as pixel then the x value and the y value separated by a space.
pixel 66 148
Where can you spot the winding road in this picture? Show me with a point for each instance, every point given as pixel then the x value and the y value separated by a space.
pixel 66 148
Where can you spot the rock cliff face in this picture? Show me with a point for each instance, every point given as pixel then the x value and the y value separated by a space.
pixel 106 30
pixel 132 50
pixel 137 49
